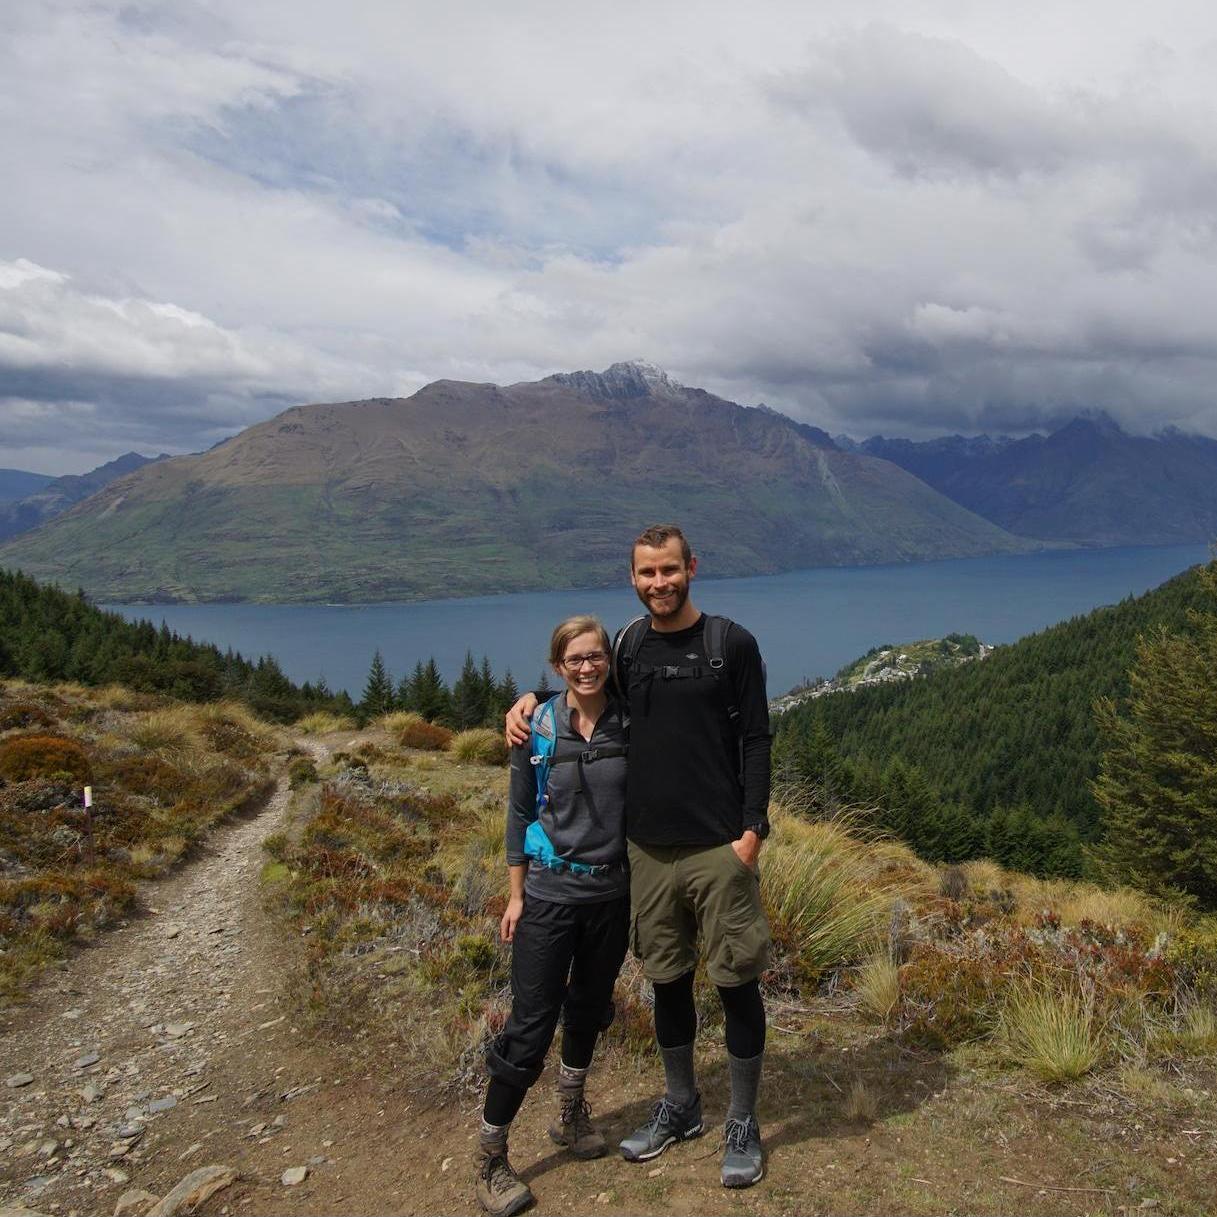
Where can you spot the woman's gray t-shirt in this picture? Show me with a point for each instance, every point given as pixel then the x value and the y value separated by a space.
pixel 585 815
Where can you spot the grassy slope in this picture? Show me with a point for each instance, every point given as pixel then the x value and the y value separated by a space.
pixel 393 873
pixel 162 774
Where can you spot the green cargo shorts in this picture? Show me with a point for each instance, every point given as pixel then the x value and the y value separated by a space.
pixel 679 894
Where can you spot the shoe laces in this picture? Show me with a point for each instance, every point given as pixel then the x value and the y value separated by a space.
pixel 577 1111
pixel 738 1133
pixel 498 1173
pixel 661 1114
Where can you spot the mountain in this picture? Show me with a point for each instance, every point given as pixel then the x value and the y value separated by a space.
pixel 17 483
pixel 56 495
pixel 471 488
pixel 1089 482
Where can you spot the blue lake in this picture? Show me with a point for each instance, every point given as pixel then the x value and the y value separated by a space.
pixel 808 623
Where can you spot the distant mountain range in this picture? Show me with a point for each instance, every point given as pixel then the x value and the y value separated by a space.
pixel 17 483
pixel 1089 482
pixel 468 488
pixel 50 496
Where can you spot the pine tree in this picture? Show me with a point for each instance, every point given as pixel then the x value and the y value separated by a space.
pixel 378 692
pixel 505 695
pixel 468 699
pixel 1157 783
pixel 433 699
pixel 544 688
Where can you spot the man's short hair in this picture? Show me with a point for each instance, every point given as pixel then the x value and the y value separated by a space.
pixel 657 536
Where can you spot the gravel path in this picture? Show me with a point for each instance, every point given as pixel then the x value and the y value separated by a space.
pixel 141 1050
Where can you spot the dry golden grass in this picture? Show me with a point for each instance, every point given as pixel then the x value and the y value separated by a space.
pixel 878 985
pixel 1051 1032
pixel 396 721
pixel 827 893
pixel 481 745
pixel 321 722
pixel 172 729
pixel 984 875
pixel 861 1104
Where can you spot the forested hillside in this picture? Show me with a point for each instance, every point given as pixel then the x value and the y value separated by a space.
pixel 987 759
pixel 47 634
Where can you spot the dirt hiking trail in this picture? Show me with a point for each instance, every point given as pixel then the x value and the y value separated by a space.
pixel 171 1045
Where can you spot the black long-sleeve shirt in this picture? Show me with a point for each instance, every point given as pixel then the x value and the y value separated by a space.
pixel 683 781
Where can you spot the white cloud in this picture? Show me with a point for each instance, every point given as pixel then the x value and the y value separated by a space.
pixel 906 214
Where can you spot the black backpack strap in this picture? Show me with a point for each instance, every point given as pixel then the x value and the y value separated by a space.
pixel 625 650
pixel 715 639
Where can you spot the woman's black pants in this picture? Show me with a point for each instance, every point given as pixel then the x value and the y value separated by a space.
pixel 564 963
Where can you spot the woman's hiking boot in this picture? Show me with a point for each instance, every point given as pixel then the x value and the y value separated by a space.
pixel 500 1191
pixel 574 1128
pixel 668 1123
pixel 743 1159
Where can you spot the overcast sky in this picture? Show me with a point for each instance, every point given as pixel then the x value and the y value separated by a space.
pixel 880 216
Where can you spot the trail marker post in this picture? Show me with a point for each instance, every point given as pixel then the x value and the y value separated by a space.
pixel 89 823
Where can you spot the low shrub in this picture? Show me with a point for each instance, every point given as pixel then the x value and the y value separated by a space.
pixel 21 714
pixel 949 999
pixel 43 756
pixel 1191 953
pixel 416 732
pixel 481 745
pixel 301 771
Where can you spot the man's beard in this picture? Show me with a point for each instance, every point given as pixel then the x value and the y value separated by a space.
pixel 671 606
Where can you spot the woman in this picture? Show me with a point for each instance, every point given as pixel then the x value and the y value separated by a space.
pixel 568 914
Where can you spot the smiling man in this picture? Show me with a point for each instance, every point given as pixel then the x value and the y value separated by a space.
pixel 697 797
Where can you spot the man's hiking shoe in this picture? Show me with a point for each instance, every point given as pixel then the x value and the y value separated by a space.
pixel 574 1129
pixel 743 1161
pixel 500 1191
pixel 668 1124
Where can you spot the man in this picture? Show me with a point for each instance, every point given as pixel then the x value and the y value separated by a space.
pixel 697 797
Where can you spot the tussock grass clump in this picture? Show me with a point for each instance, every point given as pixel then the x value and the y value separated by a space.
pixel 1052 1032
pixel 416 732
pixel 396 721
pixel 878 985
pixel 480 745
pixel 173 729
pixel 861 1104
pixel 322 722
pixel 827 905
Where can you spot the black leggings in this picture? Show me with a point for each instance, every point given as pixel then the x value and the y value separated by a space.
pixel 743 1011
pixel 564 963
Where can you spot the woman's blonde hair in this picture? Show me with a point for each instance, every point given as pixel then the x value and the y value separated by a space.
pixel 566 631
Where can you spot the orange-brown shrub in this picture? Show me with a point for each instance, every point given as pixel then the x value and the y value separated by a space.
pixel 23 714
pixel 428 737
pixel 35 756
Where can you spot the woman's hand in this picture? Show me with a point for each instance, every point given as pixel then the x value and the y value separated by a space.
pixel 515 909
pixel 517 729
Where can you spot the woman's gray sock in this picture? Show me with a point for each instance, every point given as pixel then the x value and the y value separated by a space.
pixel 745 1082
pixel 679 1075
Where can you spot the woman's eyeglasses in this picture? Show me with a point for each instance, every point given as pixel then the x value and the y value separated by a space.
pixel 573 663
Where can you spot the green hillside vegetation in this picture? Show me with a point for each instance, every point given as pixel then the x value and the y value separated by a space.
pixel 988 759
pixel 392 874
pixel 162 774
